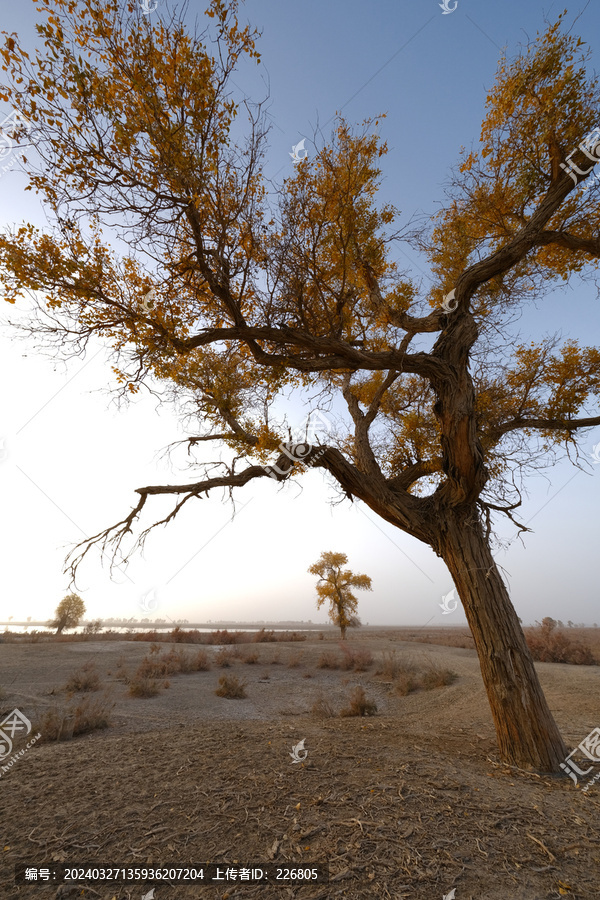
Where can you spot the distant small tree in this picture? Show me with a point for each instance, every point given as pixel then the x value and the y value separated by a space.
pixel 68 613
pixel 94 627
pixel 334 585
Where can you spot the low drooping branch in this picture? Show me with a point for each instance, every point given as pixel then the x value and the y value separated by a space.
pixel 395 505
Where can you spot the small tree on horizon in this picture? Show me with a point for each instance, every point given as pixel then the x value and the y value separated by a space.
pixel 68 613
pixel 334 585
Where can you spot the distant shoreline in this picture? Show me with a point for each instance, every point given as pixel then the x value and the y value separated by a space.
pixel 214 626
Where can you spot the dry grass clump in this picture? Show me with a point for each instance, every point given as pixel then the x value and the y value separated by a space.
pixel 122 671
pixel 226 637
pixel 201 661
pixel 143 687
pixel 61 723
pixel 231 687
pixel 84 679
pixel 175 662
pixel 406 682
pixel 355 659
pixel 407 678
pixel 153 636
pixel 263 637
pixel 322 708
pixel 360 705
pixel 391 666
pixel 548 643
pixel 436 676
pixel 295 659
pixel 250 657
pixel 329 660
pixel 225 658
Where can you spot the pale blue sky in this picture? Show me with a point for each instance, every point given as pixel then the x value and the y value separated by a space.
pixel 73 460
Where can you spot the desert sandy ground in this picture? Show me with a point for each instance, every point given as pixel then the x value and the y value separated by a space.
pixel 410 803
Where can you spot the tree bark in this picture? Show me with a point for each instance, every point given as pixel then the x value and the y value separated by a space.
pixel 527 734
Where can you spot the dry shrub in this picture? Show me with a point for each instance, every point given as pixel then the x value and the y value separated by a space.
pixel 149 636
pixel 276 659
pixel 322 708
pixel 226 637
pixel 360 705
pixel 81 717
pixel 231 687
pixel 263 637
pixel 329 660
pixel 355 658
pixel 157 665
pixel 290 636
pixel 405 683
pixel 436 676
pixel 180 636
pixel 547 644
pixel 187 663
pixel 84 679
pixel 250 657
pixel 295 659
pixel 224 658
pixel 391 666
pixel 201 661
pixel 142 687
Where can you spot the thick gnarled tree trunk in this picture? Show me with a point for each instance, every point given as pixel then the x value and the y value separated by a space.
pixel 527 734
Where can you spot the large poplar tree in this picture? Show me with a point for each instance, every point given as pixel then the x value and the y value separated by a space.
pixel 232 300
